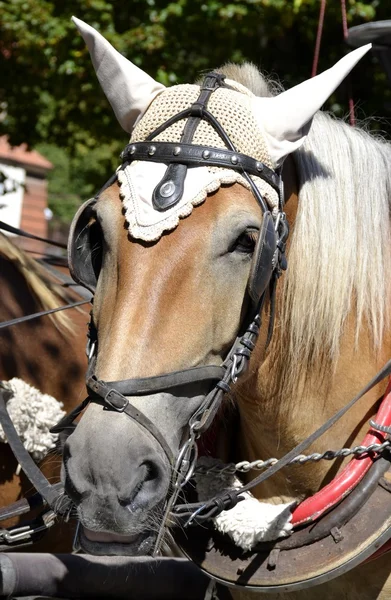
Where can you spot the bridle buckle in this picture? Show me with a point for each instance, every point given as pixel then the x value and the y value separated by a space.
pixel 116 400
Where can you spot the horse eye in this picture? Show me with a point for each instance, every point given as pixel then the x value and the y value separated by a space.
pixel 246 242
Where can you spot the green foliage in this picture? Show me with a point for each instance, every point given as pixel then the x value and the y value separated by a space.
pixel 49 92
pixel 77 177
pixel 63 199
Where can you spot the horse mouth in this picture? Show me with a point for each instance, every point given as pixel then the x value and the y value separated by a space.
pixel 113 544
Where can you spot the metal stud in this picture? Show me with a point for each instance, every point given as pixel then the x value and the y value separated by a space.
pixel 176 150
pixel 234 159
pixel 206 154
pixel 132 149
pixel 167 189
pixel 151 150
pixel 259 166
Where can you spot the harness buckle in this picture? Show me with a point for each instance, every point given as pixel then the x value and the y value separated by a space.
pixel 116 400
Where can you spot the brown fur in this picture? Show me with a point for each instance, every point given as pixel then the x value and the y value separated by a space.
pixel 141 280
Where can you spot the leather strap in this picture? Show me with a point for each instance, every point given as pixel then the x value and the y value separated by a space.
pixel 170 189
pixel 65 280
pixel 195 155
pixel 112 395
pixel 299 449
pixel 356 533
pixel 22 233
pixel 24 505
pixel 66 421
pixel 111 399
pixel 161 383
pixel 313 507
pixel 42 313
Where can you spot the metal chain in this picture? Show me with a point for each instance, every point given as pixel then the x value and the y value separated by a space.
pixel 302 459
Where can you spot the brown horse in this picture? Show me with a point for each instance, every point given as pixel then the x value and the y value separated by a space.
pixel 48 353
pixel 173 294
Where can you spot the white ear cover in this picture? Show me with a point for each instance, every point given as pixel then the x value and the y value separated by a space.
pixel 285 120
pixel 128 89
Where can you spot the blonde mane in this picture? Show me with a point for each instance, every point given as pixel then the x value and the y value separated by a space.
pixel 48 294
pixel 340 250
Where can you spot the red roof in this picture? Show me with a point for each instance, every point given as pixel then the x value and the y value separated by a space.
pixel 20 154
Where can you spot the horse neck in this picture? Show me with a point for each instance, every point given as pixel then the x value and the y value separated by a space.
pixel 275 416
pixel 273 420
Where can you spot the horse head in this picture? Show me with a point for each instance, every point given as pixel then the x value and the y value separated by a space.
pixel 182 248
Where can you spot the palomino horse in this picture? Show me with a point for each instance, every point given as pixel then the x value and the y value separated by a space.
pixel 173 294
pixel 48 353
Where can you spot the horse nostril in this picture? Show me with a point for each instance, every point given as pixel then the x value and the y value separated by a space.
pixel 126 500
pixel 144 485
pixel 152 471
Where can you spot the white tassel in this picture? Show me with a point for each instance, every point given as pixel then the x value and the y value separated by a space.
pixel 250 521
pixel 33 414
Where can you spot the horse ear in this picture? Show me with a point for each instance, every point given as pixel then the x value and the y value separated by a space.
pixel 128 89
pixel 285 120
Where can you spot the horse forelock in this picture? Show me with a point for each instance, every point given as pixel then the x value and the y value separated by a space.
pixel 248 75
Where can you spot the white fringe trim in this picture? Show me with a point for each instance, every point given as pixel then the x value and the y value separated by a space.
pixel 160 222
pixel 250 521
pixel 33 414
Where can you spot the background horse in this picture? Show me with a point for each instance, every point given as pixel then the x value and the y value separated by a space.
pixel 170 301
pixel 48 353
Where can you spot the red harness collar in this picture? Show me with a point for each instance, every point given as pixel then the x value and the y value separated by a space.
pixel 315 506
